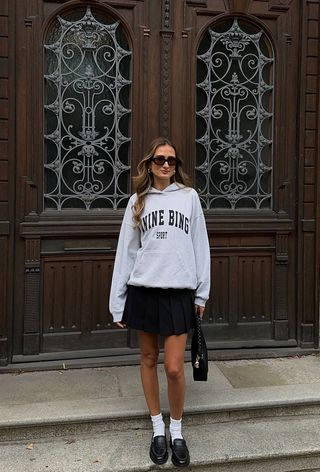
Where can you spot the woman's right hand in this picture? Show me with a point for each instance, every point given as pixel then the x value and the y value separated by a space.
pixel 199 310
pixel 121 325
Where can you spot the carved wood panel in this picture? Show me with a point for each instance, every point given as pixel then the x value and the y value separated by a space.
pixel 241 301
pixel 31 329
pixel 255 292
pixel 75 302
pixel 3 298
pixel 218 307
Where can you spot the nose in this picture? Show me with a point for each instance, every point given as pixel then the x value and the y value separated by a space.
pixel 165 164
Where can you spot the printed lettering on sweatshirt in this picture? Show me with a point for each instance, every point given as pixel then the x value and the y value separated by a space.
pixel 161 217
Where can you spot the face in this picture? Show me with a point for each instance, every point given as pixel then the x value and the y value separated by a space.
pixel 163 173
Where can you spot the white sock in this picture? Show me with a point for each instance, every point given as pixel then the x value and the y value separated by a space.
pixel 158 425
pixel 175 429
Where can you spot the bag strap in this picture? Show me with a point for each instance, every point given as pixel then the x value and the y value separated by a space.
pixel 198 331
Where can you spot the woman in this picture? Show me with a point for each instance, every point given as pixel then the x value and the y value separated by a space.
pixel 161 278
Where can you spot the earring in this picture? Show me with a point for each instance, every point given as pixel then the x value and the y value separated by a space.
pixel 149 171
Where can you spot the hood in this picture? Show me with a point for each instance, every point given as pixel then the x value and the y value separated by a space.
pixel 171 188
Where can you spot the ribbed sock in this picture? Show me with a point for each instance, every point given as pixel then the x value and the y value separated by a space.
pixel 158 425
pixel 175 429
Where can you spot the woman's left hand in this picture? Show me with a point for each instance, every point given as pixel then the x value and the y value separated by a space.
pixel 199 310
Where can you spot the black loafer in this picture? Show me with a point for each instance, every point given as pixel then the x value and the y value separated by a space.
pixel 180 454
pixel 158 450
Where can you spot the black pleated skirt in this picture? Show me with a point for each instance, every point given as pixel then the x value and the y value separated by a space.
pixel 158 310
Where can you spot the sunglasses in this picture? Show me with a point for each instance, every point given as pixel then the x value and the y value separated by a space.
pixel 160 160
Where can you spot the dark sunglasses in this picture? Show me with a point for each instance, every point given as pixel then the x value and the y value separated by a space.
pixel 160 160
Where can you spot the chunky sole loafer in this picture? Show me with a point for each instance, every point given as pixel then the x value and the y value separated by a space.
pixel 180 454
pixel 158 450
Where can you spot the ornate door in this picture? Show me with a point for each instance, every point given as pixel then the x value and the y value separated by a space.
pixel 244 135
pixel 96 80
pixel 242 131
pixel 245 164
pixel 84 67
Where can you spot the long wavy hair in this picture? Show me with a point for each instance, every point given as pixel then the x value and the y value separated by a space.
pixel 144 180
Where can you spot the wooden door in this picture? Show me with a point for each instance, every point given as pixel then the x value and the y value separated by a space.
pixel 241 68
pixel 246 155
pixel 84 64
pixel 256 218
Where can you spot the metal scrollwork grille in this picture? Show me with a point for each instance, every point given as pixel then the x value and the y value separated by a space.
pixel 87 112
pixel 234 117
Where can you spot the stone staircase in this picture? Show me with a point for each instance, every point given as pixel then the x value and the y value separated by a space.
pixel 259 427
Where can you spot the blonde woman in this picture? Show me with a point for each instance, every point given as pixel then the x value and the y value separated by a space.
pixel 161 278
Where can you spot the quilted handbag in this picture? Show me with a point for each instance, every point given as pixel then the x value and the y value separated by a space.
pixel 199 353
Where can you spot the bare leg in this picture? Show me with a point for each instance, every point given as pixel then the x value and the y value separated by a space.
pixel 174 348
pixel 149 348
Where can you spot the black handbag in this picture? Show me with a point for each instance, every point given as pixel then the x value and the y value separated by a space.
pixel 199 353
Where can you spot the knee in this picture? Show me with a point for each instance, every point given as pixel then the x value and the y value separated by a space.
pixel 149 359
pixel 174 372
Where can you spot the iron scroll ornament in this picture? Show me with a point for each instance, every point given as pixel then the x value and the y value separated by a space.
pixel 234 117
pixel 87 113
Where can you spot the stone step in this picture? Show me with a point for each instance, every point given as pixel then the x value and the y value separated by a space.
pixel 251 416
pixel 279 444
pixel 60 418
pixel 93 401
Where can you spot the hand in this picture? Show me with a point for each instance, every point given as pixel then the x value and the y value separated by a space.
pixel 121 325
pixel 199 310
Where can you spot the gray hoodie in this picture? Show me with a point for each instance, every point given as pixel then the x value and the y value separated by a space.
pixel 169 249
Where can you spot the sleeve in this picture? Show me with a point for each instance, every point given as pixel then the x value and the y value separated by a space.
pixel 202 253
pixel 128 245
